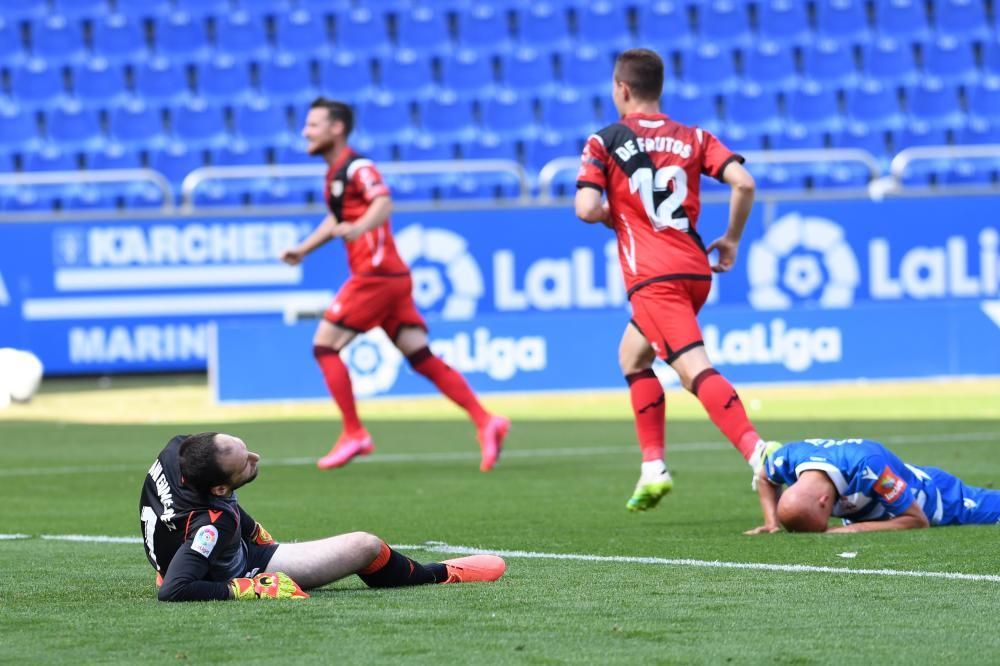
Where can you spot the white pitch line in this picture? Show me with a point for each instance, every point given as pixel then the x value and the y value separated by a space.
pixel 444 456
pixel 441 547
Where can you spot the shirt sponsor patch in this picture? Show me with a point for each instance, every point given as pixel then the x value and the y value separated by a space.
pixel 889 485
pixel 205 540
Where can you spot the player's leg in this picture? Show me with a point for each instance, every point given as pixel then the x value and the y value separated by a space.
pixel 635 357
pixel 408 332
pixel 316 563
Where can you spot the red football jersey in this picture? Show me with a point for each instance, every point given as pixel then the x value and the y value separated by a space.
pixel 650 167
pixel 352 183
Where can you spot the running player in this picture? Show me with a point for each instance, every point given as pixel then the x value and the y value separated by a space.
pixel 378 293
pixel 205 546
pixel 650 166
pixel 867 485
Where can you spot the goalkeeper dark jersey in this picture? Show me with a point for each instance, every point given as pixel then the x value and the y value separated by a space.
pixel 196 543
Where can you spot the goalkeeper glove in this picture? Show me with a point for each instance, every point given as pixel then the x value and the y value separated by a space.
pixel 266 586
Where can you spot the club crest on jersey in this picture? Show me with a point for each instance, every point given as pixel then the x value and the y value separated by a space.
pixel 336 188
pixel 205 540
pixel 889 485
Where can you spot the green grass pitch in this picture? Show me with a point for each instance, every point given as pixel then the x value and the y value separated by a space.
pixel 561 488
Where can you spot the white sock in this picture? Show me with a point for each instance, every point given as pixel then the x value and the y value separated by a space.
pixel 758 451
pixel 654 469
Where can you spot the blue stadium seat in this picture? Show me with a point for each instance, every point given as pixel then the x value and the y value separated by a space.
pixel 242 34
pixel 815 107
pixel 782 176
pixel 295 153
pixel 951 60
pixel 569 112
pixel 260 120
pixel 784 21
pixel 984 100
pixel 711 68
pixel 991 55
pixel 86 197
pixel 276 192
pixel 58 40
pixel 449 117
pixel 161 80
pixel 224 78
pixel 99 84
pixel 426 146
pixel 543 26
pixel 18 128
pixel 425 30
pixel 142 195
pixel 875 104
pixel 489 146
pixel 483 27
pixel 204 8
pixel 412 188
pixel 859 134
pixel 287 78
pixel 964 19
pixel 741 138
pixel 325 7
pixel 49 157
pixel 547 146
pixel 663 25
pixel 693 106
pixel 843 20
pixel 725 23
pixel 303 33
pixel 588 70
pixel 239 152
pixel 796 136
pixel 468 74
pixel 378 148
pixel 12 51
pixel 27 199
pixel 120 39
pixel 36 83
pixel 386 118
pixel 175 161
pixel 362 32
pixel 830 62
pixel 199 124
pixel 347 77
pixel 603 25
pixel 408 73
pixel 73 126
pixel 969 172
pixel 142 9
pixel 754 109
pixel 24 10
pixel 842 175
pixel 890 61
pixel 509 115
pixel 181 38
pixel 904 20
pixel 529 71
pixel 216 193
pixel 771 65
pixel 113 155
pixel 265 7
pixel 81 9
pixel 979 131
pixel 919 132
pixel 936 101
pixel 137 125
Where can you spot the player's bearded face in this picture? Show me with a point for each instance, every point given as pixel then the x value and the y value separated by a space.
pixel 319 132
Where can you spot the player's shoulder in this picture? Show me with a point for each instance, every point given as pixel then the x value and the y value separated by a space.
pixel 614 134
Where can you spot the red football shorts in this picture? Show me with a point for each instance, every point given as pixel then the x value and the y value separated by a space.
pixel 365 302
pixel 666 313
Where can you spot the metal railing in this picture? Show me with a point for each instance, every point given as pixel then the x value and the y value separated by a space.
pixel 894 184
pixel 431 167
pixel 94 177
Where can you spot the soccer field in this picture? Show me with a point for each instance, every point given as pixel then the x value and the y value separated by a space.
pixel 587 582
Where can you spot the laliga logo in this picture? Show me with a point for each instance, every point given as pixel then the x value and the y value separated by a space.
pixel 461 286
pixel 808 247
pixel 373 362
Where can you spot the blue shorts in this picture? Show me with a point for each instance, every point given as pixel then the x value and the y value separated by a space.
pixel 964 504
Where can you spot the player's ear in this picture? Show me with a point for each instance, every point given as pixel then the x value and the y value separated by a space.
pixel 220 490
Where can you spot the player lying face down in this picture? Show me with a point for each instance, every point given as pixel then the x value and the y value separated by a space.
pixel 803 483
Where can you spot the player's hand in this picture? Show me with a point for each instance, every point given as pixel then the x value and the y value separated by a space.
pixel 292 256
pixel 266 586
pixel 763 529
pixel 727 254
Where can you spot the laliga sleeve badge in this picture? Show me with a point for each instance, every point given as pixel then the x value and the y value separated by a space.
pixel 205 539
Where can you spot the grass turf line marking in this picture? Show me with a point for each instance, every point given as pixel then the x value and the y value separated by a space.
pixel 441 547
pixel 431 457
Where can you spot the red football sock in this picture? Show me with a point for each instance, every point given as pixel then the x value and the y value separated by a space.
pixel 649 404
pixel 338 381
pixel 725 408
pixel 450 382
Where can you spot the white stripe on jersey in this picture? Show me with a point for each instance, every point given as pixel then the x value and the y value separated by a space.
pixel 701 135
pixel 831 471
pixel 596 136
pixel 651 124
pixel 353 167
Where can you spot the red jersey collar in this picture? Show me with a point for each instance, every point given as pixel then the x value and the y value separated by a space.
pixel 344 155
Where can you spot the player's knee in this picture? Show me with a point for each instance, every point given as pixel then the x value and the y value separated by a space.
pixel 368 546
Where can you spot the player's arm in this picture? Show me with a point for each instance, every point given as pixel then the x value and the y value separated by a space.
pixel 186 578
pixel 912 518
pixel 768 494
pixel 252 531
pixel 375 216
pixel 741 197
pixel 320 235
pixel 590 207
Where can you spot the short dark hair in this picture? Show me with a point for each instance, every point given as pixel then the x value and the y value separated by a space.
pixel 642 71
pixel 200 463
pixel 337 111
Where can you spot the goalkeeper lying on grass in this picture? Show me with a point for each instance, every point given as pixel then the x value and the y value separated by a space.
pixel 204 546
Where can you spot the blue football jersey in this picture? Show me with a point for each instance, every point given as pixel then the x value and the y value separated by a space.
pixel 871 481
